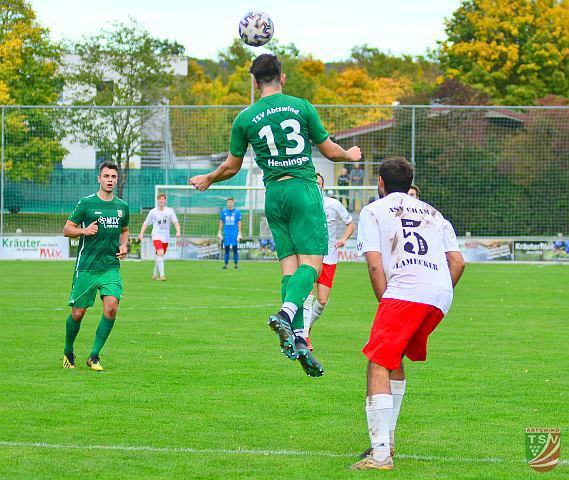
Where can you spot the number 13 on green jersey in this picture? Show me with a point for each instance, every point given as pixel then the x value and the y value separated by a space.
pixel 279 128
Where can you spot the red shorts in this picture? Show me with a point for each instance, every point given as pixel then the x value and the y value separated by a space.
pixel 159 245
pixel 326 278
pixel 401 328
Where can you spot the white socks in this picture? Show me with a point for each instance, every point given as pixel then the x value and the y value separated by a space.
pixel 312 310
pixel 397 392
pixel 290 309
pixel 307 315
pixel 317 310
pixel 160 265
pixel 379 409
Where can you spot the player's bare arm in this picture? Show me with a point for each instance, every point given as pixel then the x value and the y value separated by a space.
pixel 456 266
pixel 178 231
pixel 225 171
pixel 350 227
pixel 73 230
pixel 335 153
pixel 376 274
pixel 142 230
pixel 123 242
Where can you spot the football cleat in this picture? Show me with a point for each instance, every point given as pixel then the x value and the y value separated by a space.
pixel 224 267
pixel 94 363
pixel 162 279
pixel 310 364
pixel 370 463
pixel 281 325
pixel 68 360
pixel 154 277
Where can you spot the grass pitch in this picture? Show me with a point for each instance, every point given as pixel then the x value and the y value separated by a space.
pixel 195 386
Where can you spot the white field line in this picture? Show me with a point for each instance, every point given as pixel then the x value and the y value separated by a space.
pixel 245 451
pixel 164 307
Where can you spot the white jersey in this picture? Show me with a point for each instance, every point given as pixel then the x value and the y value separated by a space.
pixel 161 221
pixel 335 212
pixel 413 239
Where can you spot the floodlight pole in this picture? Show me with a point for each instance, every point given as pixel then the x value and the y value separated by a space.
pixel 2 181
pixel 413 136
pixel 252 201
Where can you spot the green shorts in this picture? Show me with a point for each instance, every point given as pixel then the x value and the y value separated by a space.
pixel 296 217
pixel 86 284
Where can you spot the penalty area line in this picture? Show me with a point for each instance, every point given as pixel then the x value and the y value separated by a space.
pixel 247 451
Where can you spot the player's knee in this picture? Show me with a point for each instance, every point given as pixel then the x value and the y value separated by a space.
pixel 110 308
pixel 160 253
pixel 77 314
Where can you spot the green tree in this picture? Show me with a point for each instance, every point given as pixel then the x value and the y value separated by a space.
pixel 123 67
pixel 29 75
pixel 513 50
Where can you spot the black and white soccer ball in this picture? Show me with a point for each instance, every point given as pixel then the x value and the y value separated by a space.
pixel 256 28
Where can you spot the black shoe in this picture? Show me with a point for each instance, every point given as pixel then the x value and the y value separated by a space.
pixel 236 267
pixel 281 325
pixel 309 363
pixel 224 267
pixel 94 363
pixel 366 453
pixel 68 360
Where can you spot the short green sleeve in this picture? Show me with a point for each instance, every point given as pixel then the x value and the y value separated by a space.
pixel 239 143
pixel 77 215
pixel 316 130
pixel 126 216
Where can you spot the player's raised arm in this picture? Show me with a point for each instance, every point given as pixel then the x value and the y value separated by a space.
pixel 225 171
pixel 335 153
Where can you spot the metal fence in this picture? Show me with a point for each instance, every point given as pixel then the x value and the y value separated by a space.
pixel 494 171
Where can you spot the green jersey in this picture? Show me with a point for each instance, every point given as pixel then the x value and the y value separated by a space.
pixel 98 253
pixel 279 128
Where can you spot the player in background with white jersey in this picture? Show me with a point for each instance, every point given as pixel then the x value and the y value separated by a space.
pixel 335 212
pixel 414 262
pixel 161 218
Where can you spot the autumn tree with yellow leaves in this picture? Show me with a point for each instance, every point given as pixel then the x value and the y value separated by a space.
pixel 516 51
pixel 29 75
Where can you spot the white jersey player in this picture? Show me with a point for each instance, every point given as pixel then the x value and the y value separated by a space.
pixel 335 213
pixel 161 218
pixel 413 264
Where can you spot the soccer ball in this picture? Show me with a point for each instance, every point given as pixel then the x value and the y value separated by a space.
pixel 256 29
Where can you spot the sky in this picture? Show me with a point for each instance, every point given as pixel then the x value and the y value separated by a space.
pixel 325 29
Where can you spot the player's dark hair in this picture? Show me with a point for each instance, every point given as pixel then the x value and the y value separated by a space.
pixel 160 195
pixel 266 68
pixel 397 174
pixel 416 188
pixel 319 175
pixel 111 165
pixel 230 198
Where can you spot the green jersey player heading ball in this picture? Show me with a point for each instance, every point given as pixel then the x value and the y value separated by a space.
pixel 101 221
pixel 280 128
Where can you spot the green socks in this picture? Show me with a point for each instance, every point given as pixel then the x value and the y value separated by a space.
pixel 71 330
pixel 296 289
pixel 284 283
pixel 103 332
